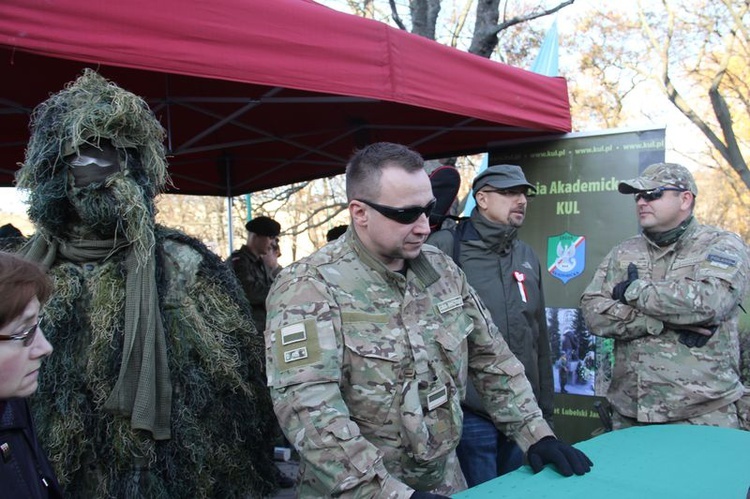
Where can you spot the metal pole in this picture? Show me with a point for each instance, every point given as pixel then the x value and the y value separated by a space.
pixel 227 163
pixel 229 225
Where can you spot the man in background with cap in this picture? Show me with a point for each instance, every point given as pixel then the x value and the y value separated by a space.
pixel 507 274
pixel 250 268
pixel 670 298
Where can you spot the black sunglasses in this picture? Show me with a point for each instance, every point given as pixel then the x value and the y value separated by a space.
pixel 405 216
pixel 655 194
pixel 26 336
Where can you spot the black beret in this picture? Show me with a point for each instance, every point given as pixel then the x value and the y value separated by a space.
pixel 336 232
pixel 263 226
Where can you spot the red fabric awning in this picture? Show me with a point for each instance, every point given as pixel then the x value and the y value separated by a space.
pixel 260 93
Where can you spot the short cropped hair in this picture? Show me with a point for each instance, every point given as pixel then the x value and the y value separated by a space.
pixel 365 168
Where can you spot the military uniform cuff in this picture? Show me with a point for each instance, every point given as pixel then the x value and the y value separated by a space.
pixel 532 433
pixel 634 290
pixel 394 489
pixel 654 327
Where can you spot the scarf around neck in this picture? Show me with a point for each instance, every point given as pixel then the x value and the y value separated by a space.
pixel 143 390
pixel 668 237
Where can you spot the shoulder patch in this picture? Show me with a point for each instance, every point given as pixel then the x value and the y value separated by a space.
pixel 297 345
pixel 721 261
pixel 293 333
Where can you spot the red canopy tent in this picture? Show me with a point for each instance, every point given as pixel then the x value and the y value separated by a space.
pixel 260 93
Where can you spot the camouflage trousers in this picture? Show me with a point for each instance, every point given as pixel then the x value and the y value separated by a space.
pixel 725 417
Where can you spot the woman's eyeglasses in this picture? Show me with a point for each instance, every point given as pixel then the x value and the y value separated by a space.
pixel 404 216
pixel 26 336
pixel 655 194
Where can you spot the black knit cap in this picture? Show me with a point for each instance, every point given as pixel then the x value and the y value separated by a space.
pixel 263 226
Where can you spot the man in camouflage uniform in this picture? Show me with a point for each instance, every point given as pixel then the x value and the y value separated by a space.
pixel 670 299
pixel 249 266
pixel 372 340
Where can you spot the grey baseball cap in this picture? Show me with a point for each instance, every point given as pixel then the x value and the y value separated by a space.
pixel 660 175
pixel 501 177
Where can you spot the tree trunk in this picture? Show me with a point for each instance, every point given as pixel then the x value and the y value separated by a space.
pixel 424 14
pixel 485 28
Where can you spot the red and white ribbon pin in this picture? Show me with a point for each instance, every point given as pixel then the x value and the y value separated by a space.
pixel 520 277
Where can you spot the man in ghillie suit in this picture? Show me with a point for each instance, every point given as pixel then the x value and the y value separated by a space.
pixel 156 388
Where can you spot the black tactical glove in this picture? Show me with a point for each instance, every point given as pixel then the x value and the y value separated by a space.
pixel 566 458
pixel 427 495
pixel 691 339
pixel 618 293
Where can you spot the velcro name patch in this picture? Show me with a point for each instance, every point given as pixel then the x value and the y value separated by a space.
pixel 721 261
pixel 437 398
pixel 450 304
pixel 295 354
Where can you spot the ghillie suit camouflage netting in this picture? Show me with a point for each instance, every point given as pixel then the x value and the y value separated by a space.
pixel 155 388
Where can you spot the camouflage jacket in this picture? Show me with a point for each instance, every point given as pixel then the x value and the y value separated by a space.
pixel 256 279
pixel 698 280
pixel 367 368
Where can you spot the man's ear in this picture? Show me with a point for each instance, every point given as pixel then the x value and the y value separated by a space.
pixel 358 213
pixel 481 199
pixel 687 198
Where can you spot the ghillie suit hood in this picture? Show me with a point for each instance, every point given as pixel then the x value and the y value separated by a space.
pixel 138 377
pixel 87 111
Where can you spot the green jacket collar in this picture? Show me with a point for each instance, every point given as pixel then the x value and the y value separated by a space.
pixel 420 266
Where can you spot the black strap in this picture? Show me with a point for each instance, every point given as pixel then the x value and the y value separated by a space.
pixel 464 231
pixel 457 243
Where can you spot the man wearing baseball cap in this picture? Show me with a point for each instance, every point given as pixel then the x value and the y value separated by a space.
pixel 248 265
pixel 670 298
pixel 507 275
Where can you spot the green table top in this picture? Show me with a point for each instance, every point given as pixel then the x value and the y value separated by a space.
pixel 657 461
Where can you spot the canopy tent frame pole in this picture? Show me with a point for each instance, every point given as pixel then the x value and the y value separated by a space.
pixel 227 164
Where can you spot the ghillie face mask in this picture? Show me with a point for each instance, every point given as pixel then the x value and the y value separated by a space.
pixel 95 161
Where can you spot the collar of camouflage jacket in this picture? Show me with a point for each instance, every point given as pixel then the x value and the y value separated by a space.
pixel 420 266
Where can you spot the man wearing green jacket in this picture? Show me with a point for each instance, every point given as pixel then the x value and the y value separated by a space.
pixel 507 275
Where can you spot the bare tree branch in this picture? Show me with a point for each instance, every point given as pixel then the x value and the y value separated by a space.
pixel 487 26
pixel 461 23
pixel 726 145
pixel 530 17
pixel 394 15
pixel 731 150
